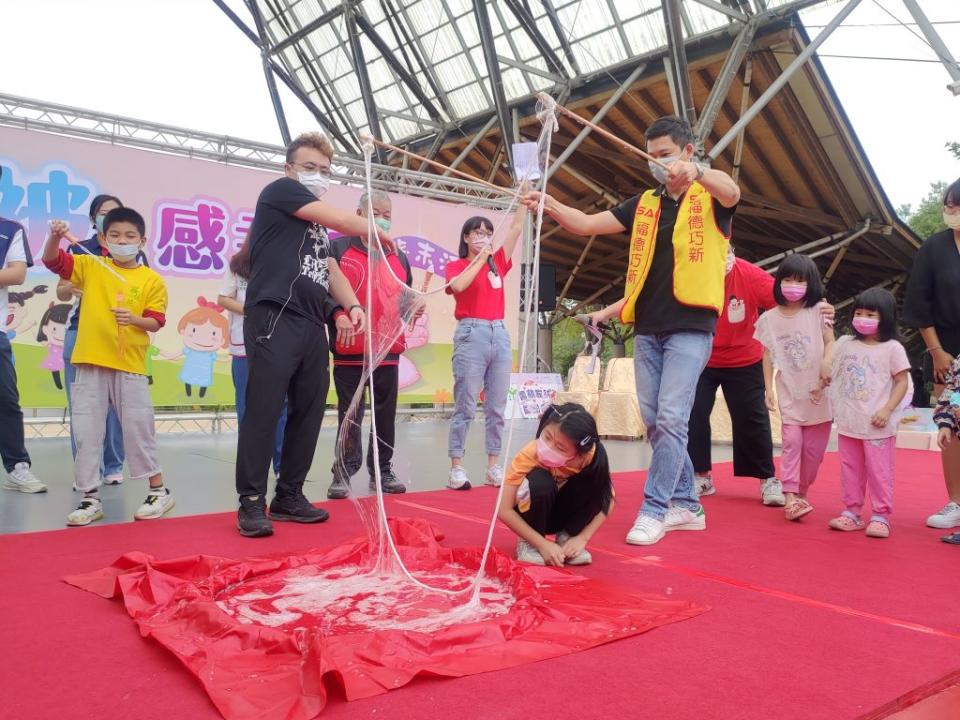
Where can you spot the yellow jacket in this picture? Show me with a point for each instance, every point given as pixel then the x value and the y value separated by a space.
pixel 699 251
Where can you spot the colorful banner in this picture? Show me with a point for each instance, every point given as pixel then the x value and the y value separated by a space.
pixel 198 213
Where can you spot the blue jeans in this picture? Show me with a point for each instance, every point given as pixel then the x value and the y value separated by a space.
pixel 667 366
pixel 481 358
pixel 238 368
pixel 111 462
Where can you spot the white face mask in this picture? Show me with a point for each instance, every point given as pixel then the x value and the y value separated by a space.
pixel 731 259
pixel 314 182
pixel 123 252
pixel 952 221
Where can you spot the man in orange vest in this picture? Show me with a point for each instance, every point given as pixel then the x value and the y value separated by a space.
pixel 679 234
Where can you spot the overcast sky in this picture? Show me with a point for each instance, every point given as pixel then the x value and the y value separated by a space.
pixel 182 62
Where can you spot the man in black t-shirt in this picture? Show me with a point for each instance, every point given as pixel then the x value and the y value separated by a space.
pixel 674 291
pixel 293 290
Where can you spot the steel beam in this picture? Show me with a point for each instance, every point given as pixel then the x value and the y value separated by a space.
pixel 723 9
pixel 937 43
pixel 496 79
pixel 677 67
pixel 596 119
pixel 529 26
pixel 741 137
pixel 784 78
pixel 418 52
pixel 721 86
pixel 363 77
pixel 387 54
pixel 509 62
pixel 808 247
pixel 561 35
pixel 474 141
pixel 319 22
pixel 268 72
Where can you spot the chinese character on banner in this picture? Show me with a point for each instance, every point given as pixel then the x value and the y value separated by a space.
pixel 695 255
pixel 11 194
pixel 240 229
pixel 643 229
pixel 191 239
pixel 401 244
pixel 425 256
pixel 696 222
pixel 55 198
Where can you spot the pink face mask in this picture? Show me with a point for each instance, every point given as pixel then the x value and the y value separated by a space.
pixel 793 291
pixel 866 326
pixel 549 456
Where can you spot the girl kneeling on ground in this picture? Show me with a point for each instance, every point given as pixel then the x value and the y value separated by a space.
pixel 558 484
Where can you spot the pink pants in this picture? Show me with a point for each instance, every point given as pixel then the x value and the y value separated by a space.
pixel 803 449
pixel 867 464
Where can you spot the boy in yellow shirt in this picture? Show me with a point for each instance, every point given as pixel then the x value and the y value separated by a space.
pixel 122 302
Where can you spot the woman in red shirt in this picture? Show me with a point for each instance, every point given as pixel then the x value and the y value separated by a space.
pixel 482 356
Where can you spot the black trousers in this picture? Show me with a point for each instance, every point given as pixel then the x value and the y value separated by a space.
pixel 552 510
pixel 386 381
pixel 292 363
pixel 12 447
pixel 752 443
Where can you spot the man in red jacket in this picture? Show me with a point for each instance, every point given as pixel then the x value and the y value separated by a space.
pixel 736 365
pixel 351 255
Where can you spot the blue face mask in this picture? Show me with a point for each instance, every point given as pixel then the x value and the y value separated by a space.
pixel 98 221
pixel 123 252
pixel 383 224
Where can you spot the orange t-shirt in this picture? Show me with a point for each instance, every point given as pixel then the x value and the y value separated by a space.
pixel 526 460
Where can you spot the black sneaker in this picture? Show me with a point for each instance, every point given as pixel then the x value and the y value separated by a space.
pixel 391 484
pixel 252 518
pixel 339 489
pixel 296 508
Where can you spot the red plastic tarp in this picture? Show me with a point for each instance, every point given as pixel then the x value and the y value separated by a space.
pixel 277 671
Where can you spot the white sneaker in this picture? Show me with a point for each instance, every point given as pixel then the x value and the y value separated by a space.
pixel 495 475
pixel 948 517
pixel 704 485
pixel 771 492
pixel 678 518
pixel 114 479
pixel 645 531
pixel 23 480
pixel 528 553
pixel 157 504
pixel 458 479
pixel 581 558
pixel 89 510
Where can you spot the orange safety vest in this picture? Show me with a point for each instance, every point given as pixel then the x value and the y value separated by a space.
pixel 699 251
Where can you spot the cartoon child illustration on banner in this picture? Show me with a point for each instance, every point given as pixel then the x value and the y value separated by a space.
pixel 53 330
pixel 204 330
pixel 417 335
pixel 17 313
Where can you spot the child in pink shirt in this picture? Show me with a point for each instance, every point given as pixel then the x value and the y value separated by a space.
pixel 798 344
pixel 871 380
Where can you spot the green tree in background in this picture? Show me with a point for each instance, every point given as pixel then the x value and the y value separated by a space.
pixel 927 219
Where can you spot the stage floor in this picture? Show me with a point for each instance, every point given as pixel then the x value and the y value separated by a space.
pixel 199 470
pixel 806 624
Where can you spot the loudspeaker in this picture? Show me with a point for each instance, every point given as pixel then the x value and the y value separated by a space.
pixel 546 287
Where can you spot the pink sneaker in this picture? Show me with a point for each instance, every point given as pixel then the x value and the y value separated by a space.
pixel 877 529
pixel 845 523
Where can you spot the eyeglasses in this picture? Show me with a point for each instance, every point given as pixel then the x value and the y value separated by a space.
pixel 481 234
pixel 312 168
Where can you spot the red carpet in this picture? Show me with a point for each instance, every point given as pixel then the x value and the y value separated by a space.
pixel 805 623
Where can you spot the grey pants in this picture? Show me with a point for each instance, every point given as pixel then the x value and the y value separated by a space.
pixel 93 392
pixel 482 358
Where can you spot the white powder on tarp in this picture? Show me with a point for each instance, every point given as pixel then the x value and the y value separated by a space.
pixel 351 599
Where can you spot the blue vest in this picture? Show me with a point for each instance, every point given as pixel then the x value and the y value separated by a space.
pixel 8 231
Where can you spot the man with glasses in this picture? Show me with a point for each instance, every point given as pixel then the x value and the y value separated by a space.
pixel 293 289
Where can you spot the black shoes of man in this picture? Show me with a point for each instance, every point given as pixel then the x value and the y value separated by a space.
pixel 252 520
